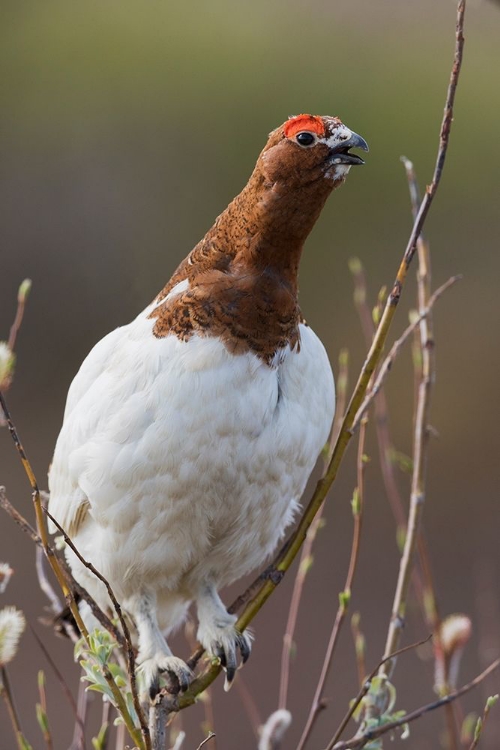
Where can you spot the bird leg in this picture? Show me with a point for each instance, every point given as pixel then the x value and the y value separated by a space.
pixel 155 656
pixel 216 632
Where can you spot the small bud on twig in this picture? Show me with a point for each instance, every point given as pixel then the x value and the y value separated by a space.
pixel 454 633
pixel 7 362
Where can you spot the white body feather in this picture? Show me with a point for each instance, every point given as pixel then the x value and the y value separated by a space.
pixel 191 460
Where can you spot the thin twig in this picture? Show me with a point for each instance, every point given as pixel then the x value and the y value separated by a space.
pixel 425 375
pixel 44 583
pixel 358 742
pixel 78 741
pixel 21 302
pixel 395 349
pixel 306 554
pixel 211 736
pixel 249 705
pixel 482 721
pixel 208 706
pixel 365 688
pixel 358 502
pixel 6 693
pixel 42 711
pixel 359 647
pixel 298 587
pixel 123 623
pixel 67 692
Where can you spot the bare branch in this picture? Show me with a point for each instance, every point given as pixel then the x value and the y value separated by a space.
pixel 211 736
pixel 357 506
pixel 6 694
pixel 57 673
pixel 395 349
pixel 22 295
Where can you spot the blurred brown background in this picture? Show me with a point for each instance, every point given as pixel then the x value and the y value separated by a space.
pixel 126 128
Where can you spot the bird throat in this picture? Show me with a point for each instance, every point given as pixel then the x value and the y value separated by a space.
pixel 242 276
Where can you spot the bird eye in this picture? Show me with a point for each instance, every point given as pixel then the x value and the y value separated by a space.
pixel 305 139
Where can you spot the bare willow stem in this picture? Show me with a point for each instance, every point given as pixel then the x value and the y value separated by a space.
pixel 344 598
pixel 44 583
pixel 306 554
pixel 57 673
pixel 78 742
pixel 249 705
pixel 425 379
pixel 359 647
pixel 358 742
pixel 395 349
pixel 123 623
pixel 21 302
pixel 44 726
pixel 211 736
pixel 275 572
pixel 304 565
pixel 482 721
pixel 6 693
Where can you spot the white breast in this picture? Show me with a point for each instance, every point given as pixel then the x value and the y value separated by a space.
pixel 192 459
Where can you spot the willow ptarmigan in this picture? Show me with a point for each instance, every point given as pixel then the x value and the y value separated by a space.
pixel 189 434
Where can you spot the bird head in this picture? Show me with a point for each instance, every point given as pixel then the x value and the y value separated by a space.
pixel 308 148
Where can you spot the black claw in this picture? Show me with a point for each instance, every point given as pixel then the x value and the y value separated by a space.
pixel 221 654
pixel 230 672
pixel 154 688
pixel 173 683
pixel 184 681
pixel 245 649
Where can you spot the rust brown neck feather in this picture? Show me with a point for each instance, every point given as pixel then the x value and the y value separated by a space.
pixel 243 274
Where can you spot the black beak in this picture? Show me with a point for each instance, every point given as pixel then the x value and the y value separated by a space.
pixel 340 154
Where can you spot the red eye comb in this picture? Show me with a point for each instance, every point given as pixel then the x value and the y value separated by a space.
pixel 295 125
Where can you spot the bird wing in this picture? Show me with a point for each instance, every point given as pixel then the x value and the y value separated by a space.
pixel 69 503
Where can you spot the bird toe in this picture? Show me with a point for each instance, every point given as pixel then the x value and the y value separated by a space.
pixel 176 672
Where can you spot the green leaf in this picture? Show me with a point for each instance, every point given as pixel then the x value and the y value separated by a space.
pixel 99 742
pixel 42 720
pixel 355 502
pixel 345 598
pixel 491 701
pixel 478 729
